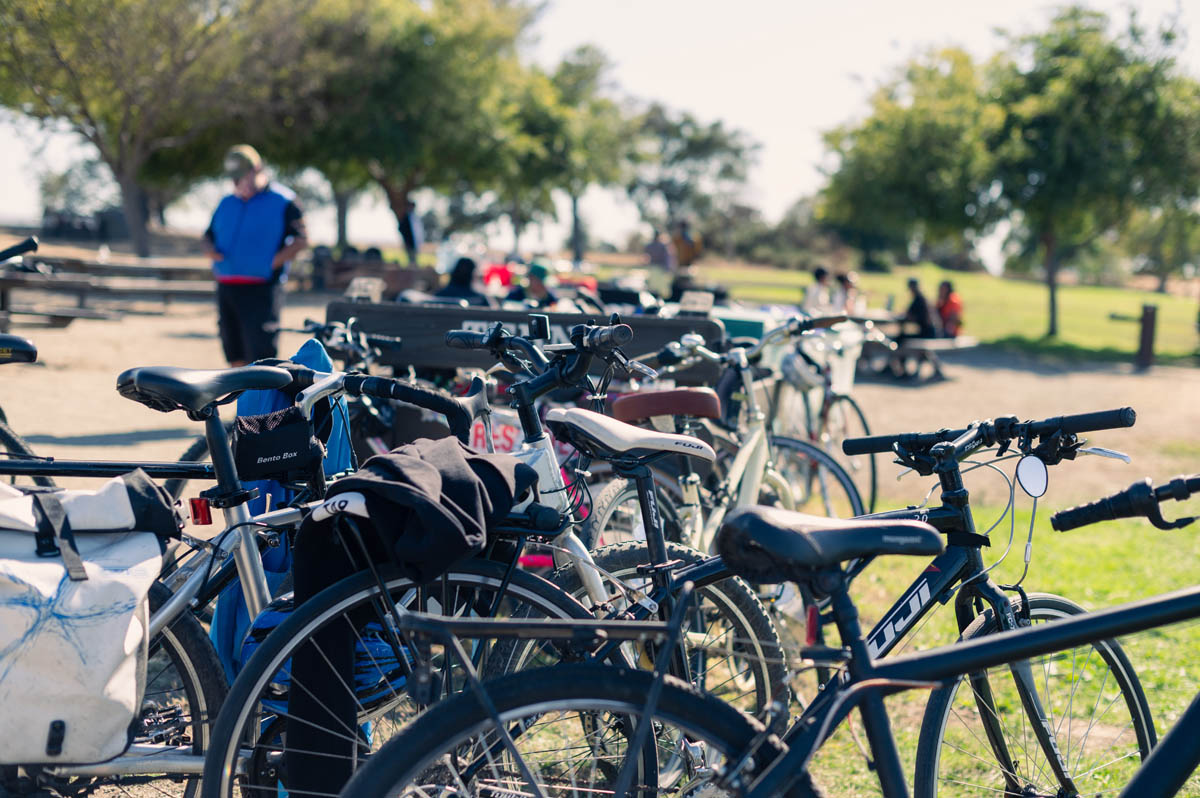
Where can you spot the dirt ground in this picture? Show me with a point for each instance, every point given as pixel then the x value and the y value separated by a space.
pixel 65 405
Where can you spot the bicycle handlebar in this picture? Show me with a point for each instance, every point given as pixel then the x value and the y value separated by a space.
pixel 459 412
pixel 993 431
pixel 1141 499
pixel 28 245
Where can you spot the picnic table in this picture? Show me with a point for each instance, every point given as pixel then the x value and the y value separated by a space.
pixel 83 288
pixel 170 269
pixel 913 353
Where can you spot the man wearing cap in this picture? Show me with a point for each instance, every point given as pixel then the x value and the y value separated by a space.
pixel 254 234
pixel 534 292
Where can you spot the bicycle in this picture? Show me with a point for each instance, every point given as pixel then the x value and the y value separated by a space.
pixel 767 544
pixel 752 475
pixel 819 382
pixel 473 755
pixel 186 685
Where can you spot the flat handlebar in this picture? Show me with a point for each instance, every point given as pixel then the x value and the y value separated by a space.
pixel 28 245
pixel 1000 429
pixel 1141 499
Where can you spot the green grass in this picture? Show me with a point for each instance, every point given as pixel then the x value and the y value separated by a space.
pixel 1003 312
pixel 1097 567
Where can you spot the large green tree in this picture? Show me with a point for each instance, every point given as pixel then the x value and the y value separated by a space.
pixel 916 168
pixel 417 96
pixel 597 132
pixel 1094 124
pixel 684 167
pixel 137 77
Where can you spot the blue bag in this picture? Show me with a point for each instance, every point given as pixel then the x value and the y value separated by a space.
pixel 231 618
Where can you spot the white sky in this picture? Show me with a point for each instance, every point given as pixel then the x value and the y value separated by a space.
pixel 782 71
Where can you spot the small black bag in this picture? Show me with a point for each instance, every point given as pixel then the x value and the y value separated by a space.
pixel 279 445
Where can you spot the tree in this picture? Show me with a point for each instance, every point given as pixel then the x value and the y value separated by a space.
pixel 596 131
pixel 413 95
pixel 917 168
pixel 683 167
pixel 1091 127
pixel 1163 240
pixel 137 77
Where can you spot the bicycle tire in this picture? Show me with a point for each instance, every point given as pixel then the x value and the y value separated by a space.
pixel 11 442
pixel 238 719
pixel 525 700
pixel 833 444
pixel 837 488
pixel 605 524
pixel 752 632
pixel 936 724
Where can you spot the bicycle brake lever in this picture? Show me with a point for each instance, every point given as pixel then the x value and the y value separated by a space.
pixel 1100 451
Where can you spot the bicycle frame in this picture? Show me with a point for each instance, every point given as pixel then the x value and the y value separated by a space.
pixel 1160 776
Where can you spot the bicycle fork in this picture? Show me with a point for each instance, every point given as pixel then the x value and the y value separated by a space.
pixel 1026 685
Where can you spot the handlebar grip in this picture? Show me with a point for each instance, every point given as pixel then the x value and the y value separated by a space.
pixel 28 245
pixel 1136 500
pixel 668 357
pixel 457 417
pixel 606 339
pixel 876 444
pixel 822 322
pixel 465 339
pixel 1090 422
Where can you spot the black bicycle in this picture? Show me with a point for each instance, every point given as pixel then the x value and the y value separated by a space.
pixel 494 741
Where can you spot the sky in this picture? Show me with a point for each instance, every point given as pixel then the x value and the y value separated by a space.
pixel 783 71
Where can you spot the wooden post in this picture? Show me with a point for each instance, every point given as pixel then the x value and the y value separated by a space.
pixel 1145 354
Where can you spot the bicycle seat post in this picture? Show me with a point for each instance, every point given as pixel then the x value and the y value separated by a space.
pixel 231 497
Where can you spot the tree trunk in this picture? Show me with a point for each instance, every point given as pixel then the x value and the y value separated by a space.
pixel 576 231
pixel 1050 264
pixel 397 196
pixel 133 201
pixel 342 200
pixel 1163 273
pixel 518 224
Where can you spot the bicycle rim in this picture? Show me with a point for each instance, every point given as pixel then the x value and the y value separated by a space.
pixel 263 703
pixel 572 728
pixel 1094 706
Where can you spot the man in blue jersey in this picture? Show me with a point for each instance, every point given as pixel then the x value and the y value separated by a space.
pixel 254 234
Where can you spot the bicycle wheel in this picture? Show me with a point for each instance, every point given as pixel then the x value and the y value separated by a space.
pixel 253 727
pixel 185 687
pixel 845 419
pixel 732 644
pixel 15 448
pixel 819 485
pixel 1093 703
pixel 571 726
pixel 616 516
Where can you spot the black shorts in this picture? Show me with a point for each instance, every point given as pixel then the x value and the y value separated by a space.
pixel 248 319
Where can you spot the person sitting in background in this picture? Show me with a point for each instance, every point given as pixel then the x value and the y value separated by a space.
pixel 918 312
pixel 818 296
pixel 950 309
pixel 534 292
pixel 462 284
pixel 846 297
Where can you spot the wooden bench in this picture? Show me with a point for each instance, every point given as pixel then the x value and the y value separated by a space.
pixel 912 353
pixel 171 269
pixel 82 287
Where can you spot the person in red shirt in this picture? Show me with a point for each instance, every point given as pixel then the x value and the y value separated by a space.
pixel 950 310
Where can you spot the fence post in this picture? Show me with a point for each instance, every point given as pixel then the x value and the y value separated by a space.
pixel 1145 354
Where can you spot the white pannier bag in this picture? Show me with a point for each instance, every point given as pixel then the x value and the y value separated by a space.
pixel 75 571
